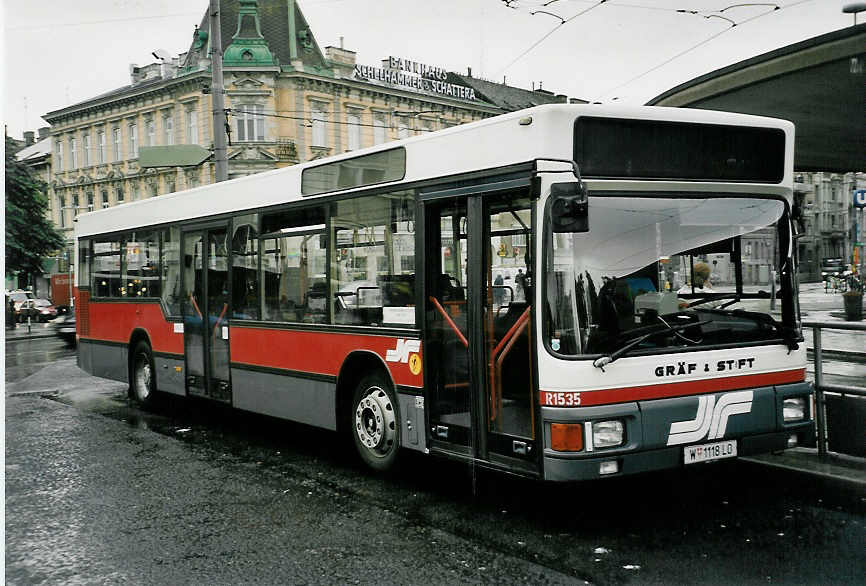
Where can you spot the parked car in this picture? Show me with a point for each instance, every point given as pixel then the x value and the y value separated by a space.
pixel 64 327
pixel 833 267
pixel 37 310
pixel 19 296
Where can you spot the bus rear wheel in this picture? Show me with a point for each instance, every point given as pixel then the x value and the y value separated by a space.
pixel 375 422
pixel 142 386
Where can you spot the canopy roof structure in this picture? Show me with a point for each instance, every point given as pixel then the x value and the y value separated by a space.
pixel 819 84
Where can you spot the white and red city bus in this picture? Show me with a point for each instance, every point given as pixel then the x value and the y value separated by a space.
pixel 566 292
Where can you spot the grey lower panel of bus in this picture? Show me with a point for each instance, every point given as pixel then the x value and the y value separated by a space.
pixel 169 375
pixel 413 435
pixel 289 397
pixel 103 360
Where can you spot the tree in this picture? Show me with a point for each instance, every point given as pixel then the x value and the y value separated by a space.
pixel 29 233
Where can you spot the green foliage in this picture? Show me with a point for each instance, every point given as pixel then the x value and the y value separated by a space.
pixel 29 233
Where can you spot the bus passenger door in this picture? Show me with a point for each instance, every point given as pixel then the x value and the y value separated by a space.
pixel 478 328
pixel 506 314
pixel 206 313
pixel 446 344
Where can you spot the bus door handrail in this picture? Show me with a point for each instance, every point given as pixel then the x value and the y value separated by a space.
pixel 495 366
pixel 449 321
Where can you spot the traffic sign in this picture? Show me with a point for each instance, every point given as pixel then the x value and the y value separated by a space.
pixel 860 198
pixel 178 155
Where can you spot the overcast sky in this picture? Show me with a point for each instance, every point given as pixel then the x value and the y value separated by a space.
pixel 58 52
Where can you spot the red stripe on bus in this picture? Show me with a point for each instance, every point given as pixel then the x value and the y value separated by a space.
pixel 314 352
pixel 302 351
pixel 678 389
pixel 114 322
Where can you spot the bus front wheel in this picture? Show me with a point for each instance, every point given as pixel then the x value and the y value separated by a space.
pixel 375 422
pixel 142 386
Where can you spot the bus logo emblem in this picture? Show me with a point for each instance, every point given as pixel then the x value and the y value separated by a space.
pixel 402 351
pixel 711 419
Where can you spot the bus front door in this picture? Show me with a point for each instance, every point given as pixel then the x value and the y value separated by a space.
pixel 478 328
pixel 206 313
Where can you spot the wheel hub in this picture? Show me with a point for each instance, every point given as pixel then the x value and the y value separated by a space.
pixel 374 421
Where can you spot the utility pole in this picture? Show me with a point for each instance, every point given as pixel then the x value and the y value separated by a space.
pixel 221 166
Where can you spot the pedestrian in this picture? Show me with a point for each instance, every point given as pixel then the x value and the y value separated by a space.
pixel 520 286
pixel 10 313
pixel 498 290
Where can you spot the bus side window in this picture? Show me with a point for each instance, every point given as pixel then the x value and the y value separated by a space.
pixel 293 259
pixel 373 260
pixel 245 267
pixel 171 270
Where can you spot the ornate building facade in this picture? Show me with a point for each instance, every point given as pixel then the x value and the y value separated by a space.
pixel 287 100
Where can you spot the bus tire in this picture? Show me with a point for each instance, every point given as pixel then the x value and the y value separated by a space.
pixel 375 422
pixel 142 383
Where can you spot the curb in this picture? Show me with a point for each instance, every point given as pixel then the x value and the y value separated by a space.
pixel 31 336
pixel 841 478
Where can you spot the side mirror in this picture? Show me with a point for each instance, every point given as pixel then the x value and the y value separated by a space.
pixel 569 207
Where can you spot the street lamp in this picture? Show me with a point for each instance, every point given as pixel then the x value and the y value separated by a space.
pixel 854 8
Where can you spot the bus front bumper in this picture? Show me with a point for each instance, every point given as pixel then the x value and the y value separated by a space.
pixel 563 468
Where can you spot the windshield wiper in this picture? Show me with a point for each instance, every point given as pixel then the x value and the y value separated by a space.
pixel 788 334
pixel 617 354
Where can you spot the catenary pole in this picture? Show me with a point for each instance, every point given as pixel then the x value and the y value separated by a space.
pixel 221 167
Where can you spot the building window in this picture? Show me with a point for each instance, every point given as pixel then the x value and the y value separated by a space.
pixel 75 204
pixel 100 138
pixel 133 141
pixel 119 195
pixel 89 201
pixel 105 203
pixel 151 133
pixel 73 153
pixel 58 147
pixel 168 128
pixel 402 128
pixel 353 120
pixel 319 116
pixel 116 143
pixel 61 213
pixel 191 127
pixel 86 150
pixel 251 123
pixel 379 128
pixel 133 193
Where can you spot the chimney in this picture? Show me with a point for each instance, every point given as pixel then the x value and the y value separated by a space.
pixel 469 72
pixel 135 74
pixel 28 138
pixel 44 132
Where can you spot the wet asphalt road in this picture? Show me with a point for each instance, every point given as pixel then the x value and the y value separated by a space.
pixel 99 491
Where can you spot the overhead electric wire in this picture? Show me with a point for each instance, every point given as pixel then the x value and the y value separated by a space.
pixel 700 44
pixel 105 21
pixel 553 30
pixel 310 119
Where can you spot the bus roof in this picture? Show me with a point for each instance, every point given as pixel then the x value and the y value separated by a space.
pixel 461 149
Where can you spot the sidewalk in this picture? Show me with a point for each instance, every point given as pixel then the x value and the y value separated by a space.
pixel 36 330
pixel 842 472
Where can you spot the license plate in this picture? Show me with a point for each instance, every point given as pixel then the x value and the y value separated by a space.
pixel 710 452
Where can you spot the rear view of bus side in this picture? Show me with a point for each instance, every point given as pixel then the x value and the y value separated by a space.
pixel 566 292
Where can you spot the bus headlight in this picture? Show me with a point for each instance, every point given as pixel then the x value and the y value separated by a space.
pixel 607 434
pixel 794 409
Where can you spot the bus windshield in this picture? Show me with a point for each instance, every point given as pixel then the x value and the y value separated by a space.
pixel 661 273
